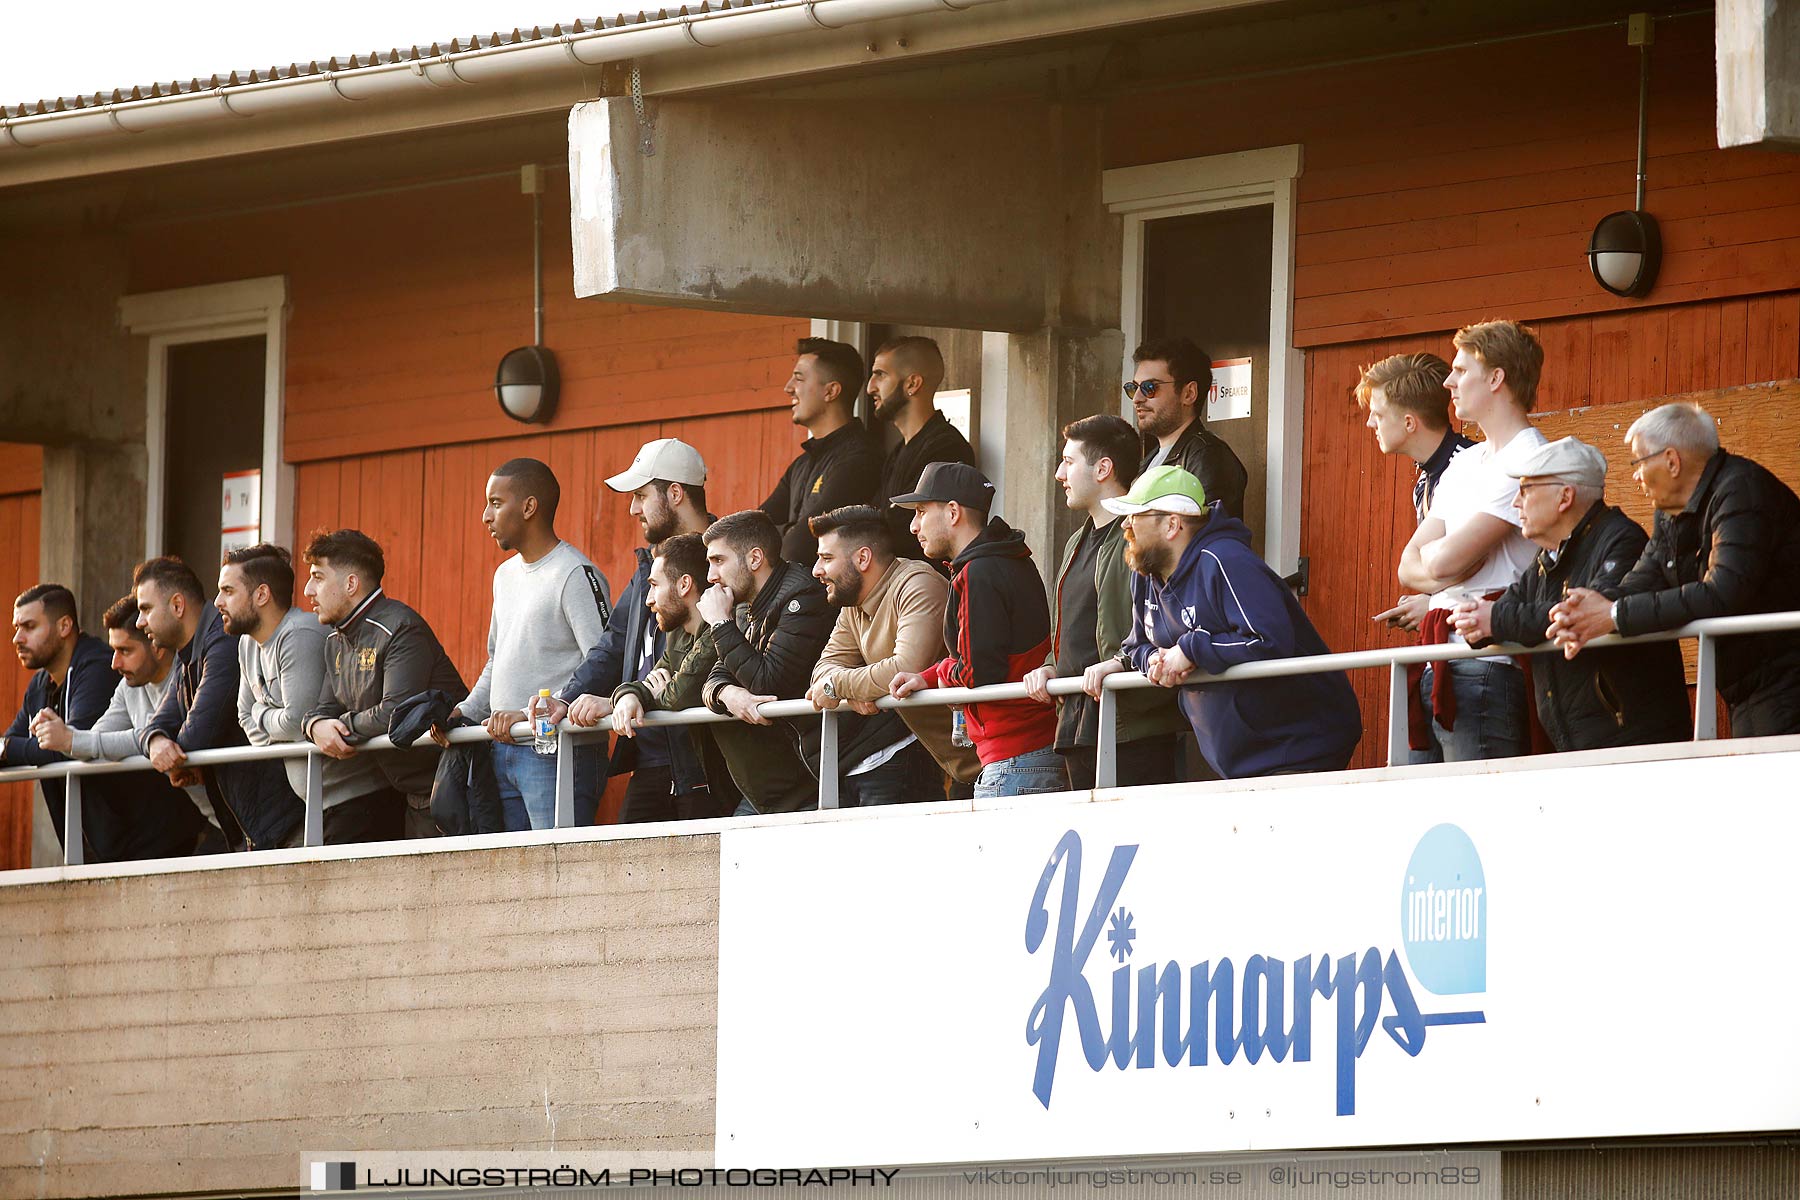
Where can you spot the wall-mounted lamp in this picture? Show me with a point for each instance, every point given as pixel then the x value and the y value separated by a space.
pixel 526 382
pixel 1625 252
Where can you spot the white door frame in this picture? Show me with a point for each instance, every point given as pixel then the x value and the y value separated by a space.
pixel 1224 181
pixel 244 308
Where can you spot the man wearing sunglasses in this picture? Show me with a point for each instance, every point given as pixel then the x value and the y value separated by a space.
pixel 1166 392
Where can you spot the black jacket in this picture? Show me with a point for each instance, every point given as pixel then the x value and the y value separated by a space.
pixel 200 713
pixel 938 441
pixel 378 657
pixel 82 700
pixel 843 467
pixel 772 653
pixel 613 662
pixel 1204 455
pixel 1617 696
pixel 1734 549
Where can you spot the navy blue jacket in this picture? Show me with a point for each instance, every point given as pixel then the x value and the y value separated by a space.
pixel 621 649
pixel 87 690
pixel 1223 606
pixel 200 713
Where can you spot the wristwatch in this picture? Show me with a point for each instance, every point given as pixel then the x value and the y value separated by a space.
pixel 829 691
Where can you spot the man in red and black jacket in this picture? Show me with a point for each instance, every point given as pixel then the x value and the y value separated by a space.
pixel 997 626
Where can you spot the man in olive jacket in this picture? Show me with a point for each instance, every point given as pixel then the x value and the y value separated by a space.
pixel 1726 542
pixel 1093 617
pixel 769 620
pixel 1616 696
pixel 677 577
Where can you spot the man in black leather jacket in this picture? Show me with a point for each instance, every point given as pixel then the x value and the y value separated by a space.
pixel 1726 542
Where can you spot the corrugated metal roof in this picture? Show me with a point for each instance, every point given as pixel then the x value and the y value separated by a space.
pixel 478 41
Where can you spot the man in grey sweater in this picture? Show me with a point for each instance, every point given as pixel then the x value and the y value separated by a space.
pixel 140 814
pixel 281 669
pixel 550 609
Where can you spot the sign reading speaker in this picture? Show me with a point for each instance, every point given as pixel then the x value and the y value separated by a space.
pixel 1366 960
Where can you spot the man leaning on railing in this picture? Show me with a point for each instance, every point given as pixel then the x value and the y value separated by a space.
pixel 1204 601
pixel 1726 543
pixel 1616 696
pixel 765 654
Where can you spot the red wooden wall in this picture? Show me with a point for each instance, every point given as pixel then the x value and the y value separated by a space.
pixel 21 479
pixel 1448 187
pixel 401 305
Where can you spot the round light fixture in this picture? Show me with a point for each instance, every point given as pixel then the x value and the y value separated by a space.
pixel 526 384
pixel 1626 252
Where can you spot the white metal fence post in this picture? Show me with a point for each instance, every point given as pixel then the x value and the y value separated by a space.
pixel 565 780
pixel 1706 689
pixel 74 854
pixel 828 759
pixel 1399 743
pixel 315 798
pixel 1106 743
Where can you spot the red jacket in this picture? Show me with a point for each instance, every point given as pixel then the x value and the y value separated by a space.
pixel 997 626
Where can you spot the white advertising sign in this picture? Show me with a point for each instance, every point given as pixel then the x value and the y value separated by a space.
pixel 240 510
pixel 1229 397
pixel 1593 951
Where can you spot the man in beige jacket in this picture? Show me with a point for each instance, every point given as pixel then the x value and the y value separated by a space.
pixel 890 619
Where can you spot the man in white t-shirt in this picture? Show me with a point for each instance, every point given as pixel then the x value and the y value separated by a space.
pixel 550 609
pixel 1470 545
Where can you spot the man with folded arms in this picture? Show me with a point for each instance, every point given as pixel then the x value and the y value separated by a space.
pixel 1617 696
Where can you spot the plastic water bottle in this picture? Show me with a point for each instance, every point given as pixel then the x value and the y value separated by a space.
pixel 543 729
pixel 959 729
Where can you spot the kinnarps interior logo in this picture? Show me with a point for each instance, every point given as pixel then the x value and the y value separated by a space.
pixel 1212 1011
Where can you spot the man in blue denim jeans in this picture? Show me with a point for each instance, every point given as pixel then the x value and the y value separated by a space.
pixel 1470 546
pixel 996 627
pixel 550 609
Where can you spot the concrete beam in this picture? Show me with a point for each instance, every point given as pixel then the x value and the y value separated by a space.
pixel 1758 61
pixel 916 213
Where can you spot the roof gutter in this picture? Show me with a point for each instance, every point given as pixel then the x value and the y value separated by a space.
pixel 483 65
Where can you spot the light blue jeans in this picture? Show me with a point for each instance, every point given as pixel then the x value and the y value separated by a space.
pixel 527 782
pixel 1491 721
pixel 1023 775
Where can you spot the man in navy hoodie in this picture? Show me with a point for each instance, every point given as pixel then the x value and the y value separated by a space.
pixel 1204 602
pixel 72 676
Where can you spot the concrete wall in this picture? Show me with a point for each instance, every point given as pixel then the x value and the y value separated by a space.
pixel 197 1031
pixel 69 382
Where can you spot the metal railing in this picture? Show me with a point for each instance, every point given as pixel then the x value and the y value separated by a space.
pixel 1396 659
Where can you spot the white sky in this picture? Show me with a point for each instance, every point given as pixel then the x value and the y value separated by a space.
pixel 52 49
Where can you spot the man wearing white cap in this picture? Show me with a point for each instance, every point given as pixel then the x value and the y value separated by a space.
pixel 1203 600
pixel 1617 696
pixel 667 485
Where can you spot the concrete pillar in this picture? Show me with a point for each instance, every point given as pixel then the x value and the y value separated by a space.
pixel 93 521
pixel 1758 62
pixel 1033 384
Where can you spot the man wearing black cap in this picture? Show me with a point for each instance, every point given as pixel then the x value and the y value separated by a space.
pixel 996 626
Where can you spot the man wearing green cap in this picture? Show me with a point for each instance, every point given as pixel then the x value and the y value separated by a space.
pixel 1203 603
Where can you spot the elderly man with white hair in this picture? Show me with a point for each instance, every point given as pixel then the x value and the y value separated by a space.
pixel 1616 696
pixel 1726 542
